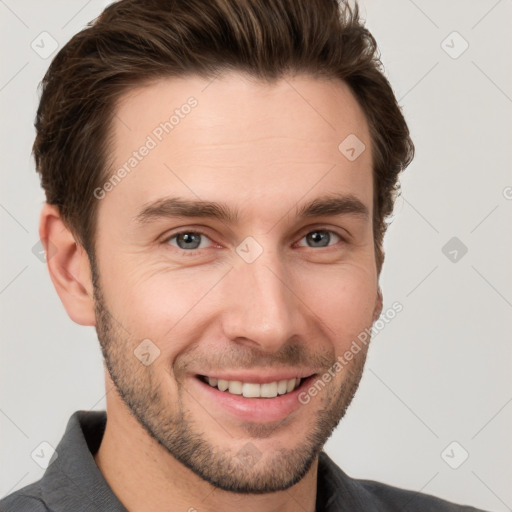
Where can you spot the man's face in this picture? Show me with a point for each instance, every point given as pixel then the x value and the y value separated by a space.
pixel 260 299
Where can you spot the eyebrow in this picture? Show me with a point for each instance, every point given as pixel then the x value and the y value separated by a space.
pixel 170 207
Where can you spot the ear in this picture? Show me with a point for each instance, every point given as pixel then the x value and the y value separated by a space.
pixel 68 265
pixel 378 305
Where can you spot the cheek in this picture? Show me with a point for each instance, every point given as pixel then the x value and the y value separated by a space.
pixel 344 299
pixel 159 305
pixel 173 307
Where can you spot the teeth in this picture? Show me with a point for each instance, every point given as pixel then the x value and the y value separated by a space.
pixel 252 390
pixel 269 390
pixel 282 387
pixel 235 387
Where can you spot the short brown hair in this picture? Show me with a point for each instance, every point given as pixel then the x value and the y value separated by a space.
pixel 135 41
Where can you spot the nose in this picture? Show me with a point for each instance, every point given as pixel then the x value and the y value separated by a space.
pixel 262 305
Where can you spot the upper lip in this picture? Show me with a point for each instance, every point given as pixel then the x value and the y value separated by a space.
pixel 259 376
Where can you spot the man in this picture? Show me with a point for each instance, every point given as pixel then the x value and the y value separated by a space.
pixel 218 174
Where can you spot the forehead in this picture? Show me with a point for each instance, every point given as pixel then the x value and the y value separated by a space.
pixel 236 137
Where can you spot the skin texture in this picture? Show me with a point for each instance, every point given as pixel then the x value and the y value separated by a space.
pixel 264 150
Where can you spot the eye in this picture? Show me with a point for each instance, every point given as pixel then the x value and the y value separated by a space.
pixel 187 240
pixel 193 240
pixel 320 237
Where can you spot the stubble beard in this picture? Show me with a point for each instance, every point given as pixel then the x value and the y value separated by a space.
pixel 244 470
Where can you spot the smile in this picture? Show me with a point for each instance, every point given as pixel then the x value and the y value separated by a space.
pixel 252 389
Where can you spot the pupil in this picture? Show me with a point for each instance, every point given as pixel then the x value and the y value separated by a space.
pixel 317 236
pixel 188 238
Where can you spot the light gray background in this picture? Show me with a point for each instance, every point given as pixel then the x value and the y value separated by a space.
pixel 438 373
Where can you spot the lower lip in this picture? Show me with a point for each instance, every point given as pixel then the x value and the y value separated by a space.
pixel 255 410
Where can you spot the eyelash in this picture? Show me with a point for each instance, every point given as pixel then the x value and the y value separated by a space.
pixel 193 252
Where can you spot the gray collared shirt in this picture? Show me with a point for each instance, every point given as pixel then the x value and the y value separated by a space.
pixel 74 483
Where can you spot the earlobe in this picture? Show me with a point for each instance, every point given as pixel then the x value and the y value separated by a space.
pixel 68 265
pixel 378 305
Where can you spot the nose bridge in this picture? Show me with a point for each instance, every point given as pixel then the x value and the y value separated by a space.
pixel 261 305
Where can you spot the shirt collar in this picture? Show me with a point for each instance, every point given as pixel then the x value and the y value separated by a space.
pixel 74 481
pixel 336 491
